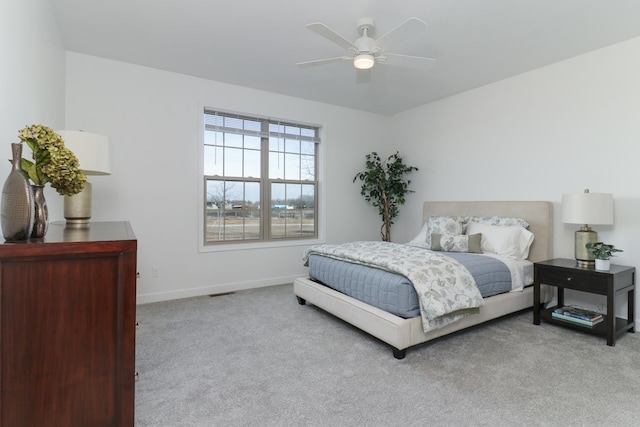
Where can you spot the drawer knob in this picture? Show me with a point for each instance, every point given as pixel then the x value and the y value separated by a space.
pixel 569 279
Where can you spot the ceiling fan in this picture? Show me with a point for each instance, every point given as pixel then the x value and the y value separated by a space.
pixel 366 51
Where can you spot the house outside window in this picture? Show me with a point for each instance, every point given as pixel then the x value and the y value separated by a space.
pixel 260 179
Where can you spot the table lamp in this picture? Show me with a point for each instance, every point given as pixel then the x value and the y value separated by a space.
pixel 586 208
pixel 92 151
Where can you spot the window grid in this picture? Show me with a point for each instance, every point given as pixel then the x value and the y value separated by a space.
pixel 251 160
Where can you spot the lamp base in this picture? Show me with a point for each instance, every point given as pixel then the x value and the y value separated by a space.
pixel 583 256
pixel 77 208
pixel 585 264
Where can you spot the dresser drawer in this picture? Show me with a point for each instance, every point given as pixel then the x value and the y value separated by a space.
pixel 572 280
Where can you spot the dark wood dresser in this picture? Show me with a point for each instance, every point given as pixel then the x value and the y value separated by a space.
pixel 67 327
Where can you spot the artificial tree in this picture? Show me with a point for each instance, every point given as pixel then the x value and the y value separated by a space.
pixel 384 187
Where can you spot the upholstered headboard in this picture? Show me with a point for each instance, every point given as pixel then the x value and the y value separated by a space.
pixel 539 215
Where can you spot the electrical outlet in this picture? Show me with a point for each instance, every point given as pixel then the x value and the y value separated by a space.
pixel 155 272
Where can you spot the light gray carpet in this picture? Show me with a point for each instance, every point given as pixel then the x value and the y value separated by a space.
pixel 257 358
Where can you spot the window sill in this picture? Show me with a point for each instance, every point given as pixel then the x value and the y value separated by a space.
pixel 226 247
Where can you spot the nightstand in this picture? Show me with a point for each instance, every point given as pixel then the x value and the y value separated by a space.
pixel 565 274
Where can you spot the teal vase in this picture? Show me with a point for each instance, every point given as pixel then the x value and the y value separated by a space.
pixel 17 208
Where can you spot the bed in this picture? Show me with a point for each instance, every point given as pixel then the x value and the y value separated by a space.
pixel 404 332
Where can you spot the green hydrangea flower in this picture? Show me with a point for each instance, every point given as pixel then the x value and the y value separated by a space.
pixel 52 161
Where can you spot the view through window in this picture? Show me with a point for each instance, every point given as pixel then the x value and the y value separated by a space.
pixel 260 179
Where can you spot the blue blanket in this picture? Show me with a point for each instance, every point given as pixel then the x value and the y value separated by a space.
pixel 395 293
pixel 446 290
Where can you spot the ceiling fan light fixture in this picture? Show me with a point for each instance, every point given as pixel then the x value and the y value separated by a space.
pixel 363 61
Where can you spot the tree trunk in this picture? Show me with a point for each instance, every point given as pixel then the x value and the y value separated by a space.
pixel 386 233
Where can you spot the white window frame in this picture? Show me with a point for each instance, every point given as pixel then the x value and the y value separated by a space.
pixel 261 244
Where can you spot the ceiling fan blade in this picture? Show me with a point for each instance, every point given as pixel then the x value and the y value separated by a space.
pixel 328 33
pixel 323 61
pixel 406 61
pixel 407 29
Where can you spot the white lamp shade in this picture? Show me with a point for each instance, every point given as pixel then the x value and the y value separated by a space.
pixel 587 208
pixel 363 61
pixel 91 149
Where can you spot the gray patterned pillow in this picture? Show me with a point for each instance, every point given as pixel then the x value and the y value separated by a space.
pixel 457 243
pixel 502 221
pixel 451 225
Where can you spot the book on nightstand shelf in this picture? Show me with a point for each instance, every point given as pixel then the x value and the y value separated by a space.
pixel 578 315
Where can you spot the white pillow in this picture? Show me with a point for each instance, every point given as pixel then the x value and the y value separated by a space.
pixel 509 241
pixel 421 238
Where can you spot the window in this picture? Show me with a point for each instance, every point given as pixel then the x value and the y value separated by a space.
pixel 260 179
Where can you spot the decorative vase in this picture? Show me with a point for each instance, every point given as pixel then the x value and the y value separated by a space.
pixel 40 213
pixel 603 264
pixel 16 211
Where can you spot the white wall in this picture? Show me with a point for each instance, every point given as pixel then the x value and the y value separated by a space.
pixel 31 75
pixel 534 136
pixel 559 129
pixel 152 118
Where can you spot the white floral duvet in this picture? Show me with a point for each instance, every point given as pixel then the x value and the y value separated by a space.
pixel 446 290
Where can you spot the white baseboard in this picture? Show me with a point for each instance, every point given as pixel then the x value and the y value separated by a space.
pixel 211 290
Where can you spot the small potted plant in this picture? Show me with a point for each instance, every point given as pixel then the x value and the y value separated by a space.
pixel 602 253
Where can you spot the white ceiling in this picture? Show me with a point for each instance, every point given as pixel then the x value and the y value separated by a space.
pixel 256 43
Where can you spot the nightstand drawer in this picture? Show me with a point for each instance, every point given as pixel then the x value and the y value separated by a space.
pixel 573 280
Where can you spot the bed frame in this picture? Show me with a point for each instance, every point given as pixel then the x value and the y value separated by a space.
pixel 402 333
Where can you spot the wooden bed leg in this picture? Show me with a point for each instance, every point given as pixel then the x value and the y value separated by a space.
pixel 399 354
pixel 301 301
